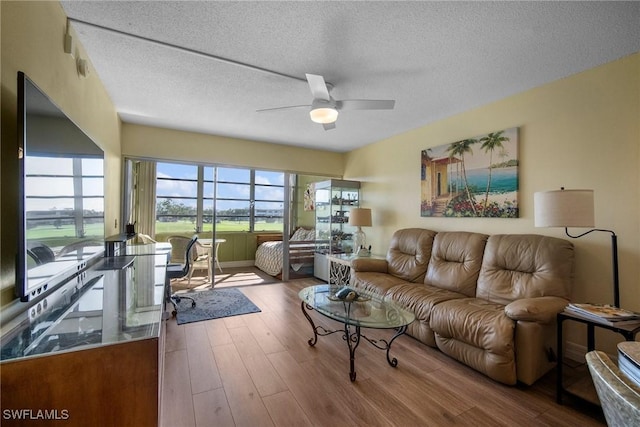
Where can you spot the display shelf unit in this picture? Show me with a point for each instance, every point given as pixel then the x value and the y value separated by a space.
pixel 334 200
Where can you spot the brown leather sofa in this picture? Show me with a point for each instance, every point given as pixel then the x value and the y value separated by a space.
pixel 488 301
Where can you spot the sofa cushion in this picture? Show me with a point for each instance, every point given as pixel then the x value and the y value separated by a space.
pixel 369 264
pixel 420 299
pixel 409 253
pixel 455 262
pixel 525 266
pixel 375 282
pixel 478 333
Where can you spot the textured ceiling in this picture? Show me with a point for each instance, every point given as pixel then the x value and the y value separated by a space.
pixel 436 59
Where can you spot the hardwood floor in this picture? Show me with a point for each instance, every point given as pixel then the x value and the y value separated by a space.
pixel 258 370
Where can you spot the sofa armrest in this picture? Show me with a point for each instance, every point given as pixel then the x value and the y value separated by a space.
pixel 370 264
pixel 541 309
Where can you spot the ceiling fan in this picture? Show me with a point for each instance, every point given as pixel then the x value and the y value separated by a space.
pixel 324 109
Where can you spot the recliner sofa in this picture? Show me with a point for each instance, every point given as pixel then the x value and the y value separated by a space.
pixel 489 302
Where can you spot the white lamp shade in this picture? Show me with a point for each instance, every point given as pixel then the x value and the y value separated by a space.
pixel 564 208
pixel 360 217
pixel 324 115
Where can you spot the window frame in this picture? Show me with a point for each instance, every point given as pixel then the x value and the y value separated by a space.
pixel 78 216
pixel 202 200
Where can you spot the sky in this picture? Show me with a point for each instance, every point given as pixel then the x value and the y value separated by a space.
pixel 51 186
pixel 478 158
pixel 238 189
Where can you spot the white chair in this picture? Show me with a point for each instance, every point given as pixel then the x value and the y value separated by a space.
pixel 146 239
pixel 77 246
pixel 202 260
pixel 619 396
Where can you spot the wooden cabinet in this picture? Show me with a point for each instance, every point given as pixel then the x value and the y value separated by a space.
pixel 91 353
pixel 114 385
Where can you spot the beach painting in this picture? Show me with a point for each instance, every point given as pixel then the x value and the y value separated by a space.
pixel 473 177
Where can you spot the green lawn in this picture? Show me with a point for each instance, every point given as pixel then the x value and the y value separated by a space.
pixel 186 227
pixel 55 237
pixel 62 236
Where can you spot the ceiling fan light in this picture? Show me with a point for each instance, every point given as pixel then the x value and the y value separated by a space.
pixel 324 115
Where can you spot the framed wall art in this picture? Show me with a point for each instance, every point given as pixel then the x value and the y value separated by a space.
pixel 473 177
pixel 309 201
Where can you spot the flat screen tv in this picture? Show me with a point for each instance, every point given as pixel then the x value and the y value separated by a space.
pixel 61 195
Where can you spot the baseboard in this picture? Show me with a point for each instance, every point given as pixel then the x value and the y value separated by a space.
pixel 231 264
pixel 577 352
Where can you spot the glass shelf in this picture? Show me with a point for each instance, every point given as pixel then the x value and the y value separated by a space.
pixel 334 200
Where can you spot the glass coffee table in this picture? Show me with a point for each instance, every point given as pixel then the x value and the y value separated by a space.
pixel 368 311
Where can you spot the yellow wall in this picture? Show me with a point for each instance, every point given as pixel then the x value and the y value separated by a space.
pixel 158 143
pixel 579 132
pixel 32 35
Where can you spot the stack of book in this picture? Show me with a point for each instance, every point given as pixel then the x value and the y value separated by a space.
pixel 606 314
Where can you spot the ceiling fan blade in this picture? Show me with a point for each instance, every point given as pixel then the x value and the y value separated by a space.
pixel 318 87
pixel 289 107
pixel 366 104
pixel 329 126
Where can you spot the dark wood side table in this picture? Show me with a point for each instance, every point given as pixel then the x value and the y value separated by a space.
pixel 628 331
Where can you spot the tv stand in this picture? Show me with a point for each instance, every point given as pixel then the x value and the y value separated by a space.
pixel 94 348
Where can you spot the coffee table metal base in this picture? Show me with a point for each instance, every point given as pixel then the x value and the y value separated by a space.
pixel 351 334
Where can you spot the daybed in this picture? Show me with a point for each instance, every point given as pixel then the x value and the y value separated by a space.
pixel 269 254
pixel 488 301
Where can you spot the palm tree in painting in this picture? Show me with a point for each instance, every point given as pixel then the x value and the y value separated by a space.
pixel 491 142
pixel 459 148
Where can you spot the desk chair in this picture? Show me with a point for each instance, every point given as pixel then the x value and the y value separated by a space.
pixel 619 396
pixel 199 255
pixel 176 271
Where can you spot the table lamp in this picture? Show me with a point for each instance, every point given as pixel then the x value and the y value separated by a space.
pixel 360 217
pixel 573 208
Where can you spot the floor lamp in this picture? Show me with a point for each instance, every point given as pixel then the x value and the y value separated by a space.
pixel 573 208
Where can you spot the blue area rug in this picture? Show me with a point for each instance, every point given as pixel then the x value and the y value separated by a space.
pixel 214 304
